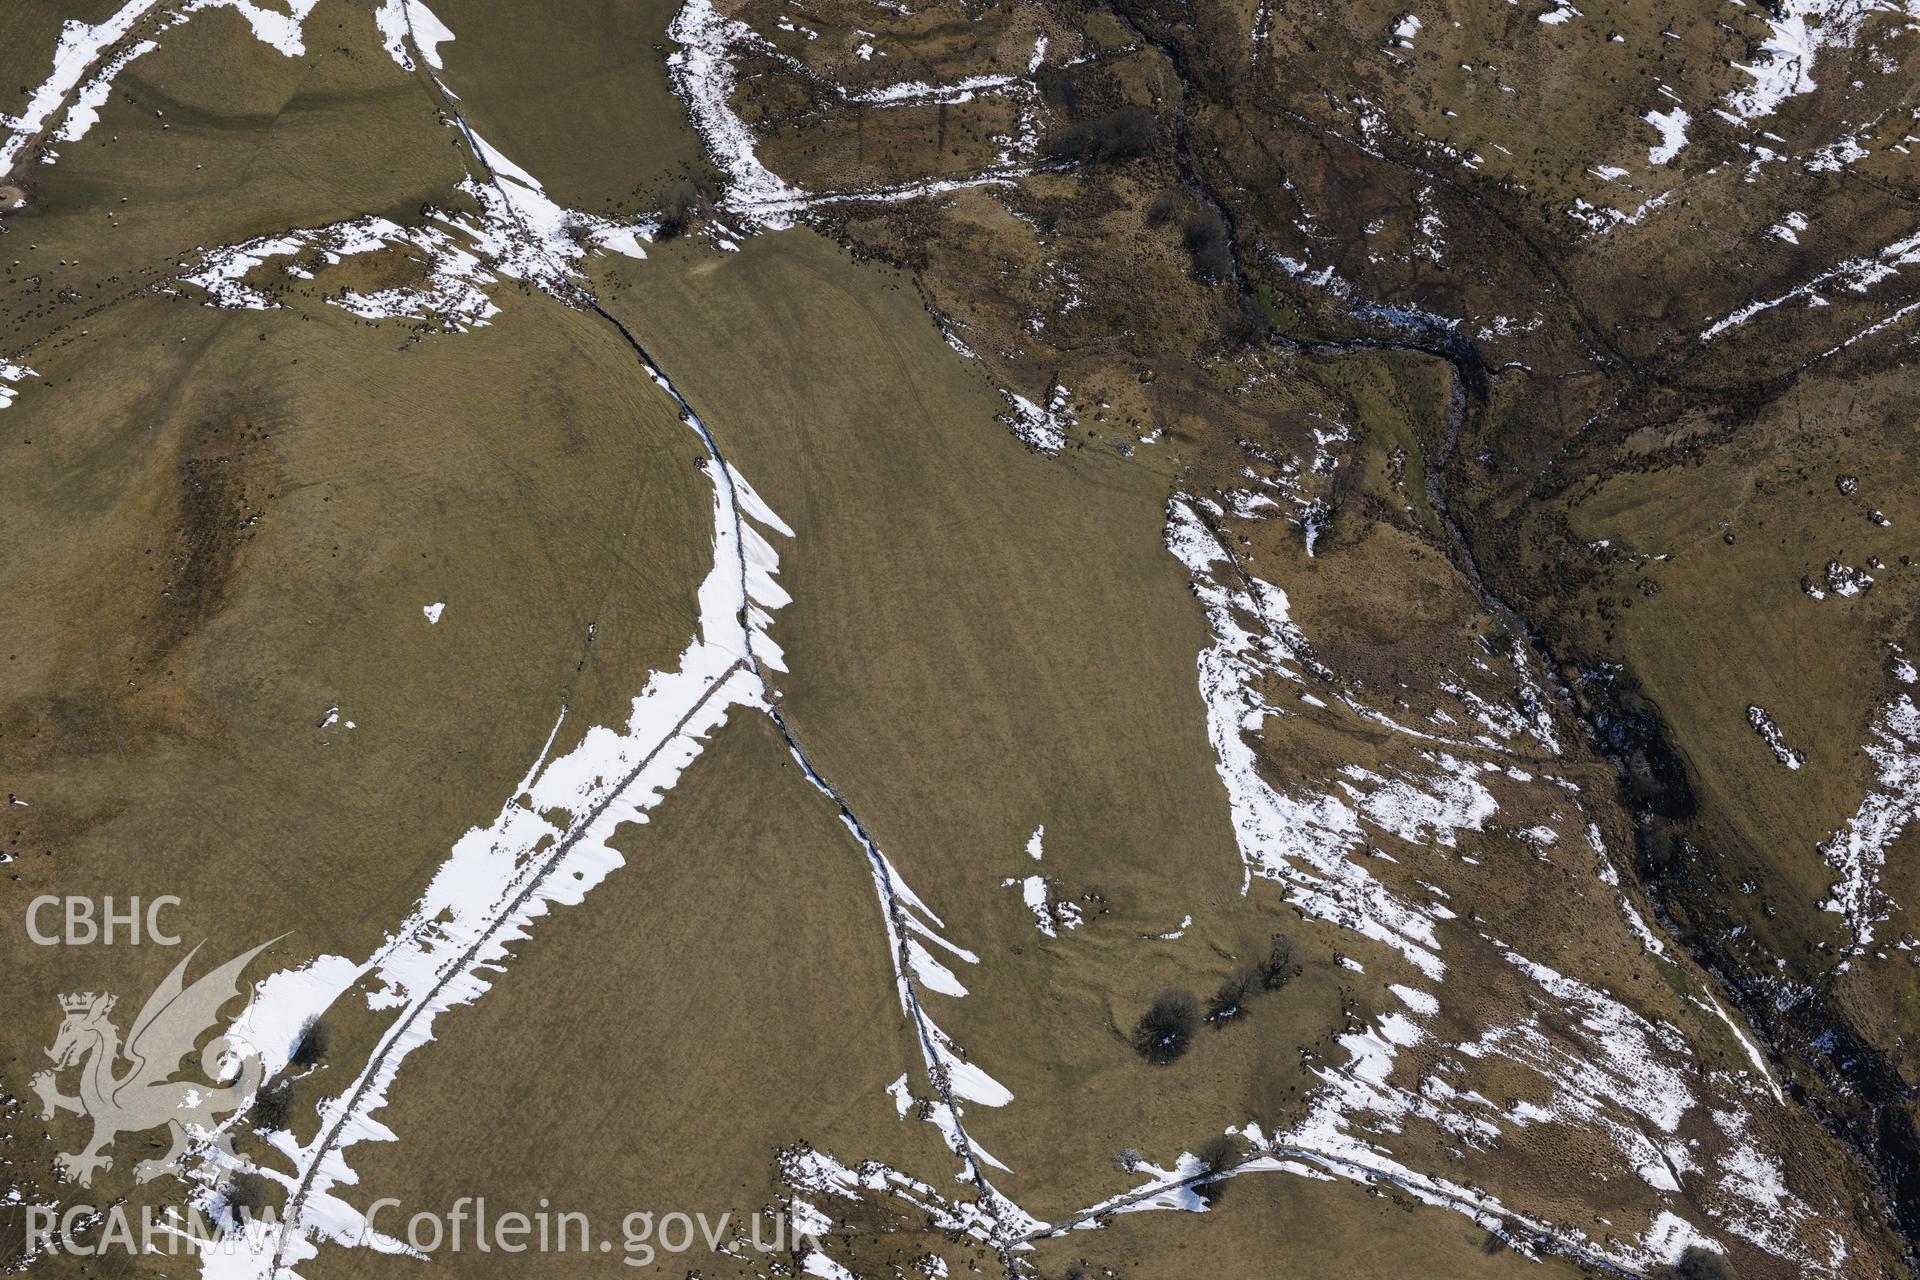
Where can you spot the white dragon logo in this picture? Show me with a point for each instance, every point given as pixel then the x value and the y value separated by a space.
pixel 143 1096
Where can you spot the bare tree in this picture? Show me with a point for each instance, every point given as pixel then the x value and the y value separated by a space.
pixel 1236 992
pixel 1167 1027
pixel 316 1037
pixel 1248 323
pixel 246 1196
pixel 1699 1264
pixel 1216 1155
pixel 677 208
pixel 1278 969
pixel 1205 235
pixel 273 1105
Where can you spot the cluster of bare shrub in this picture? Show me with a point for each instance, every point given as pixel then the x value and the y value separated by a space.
pixel 1167 1028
